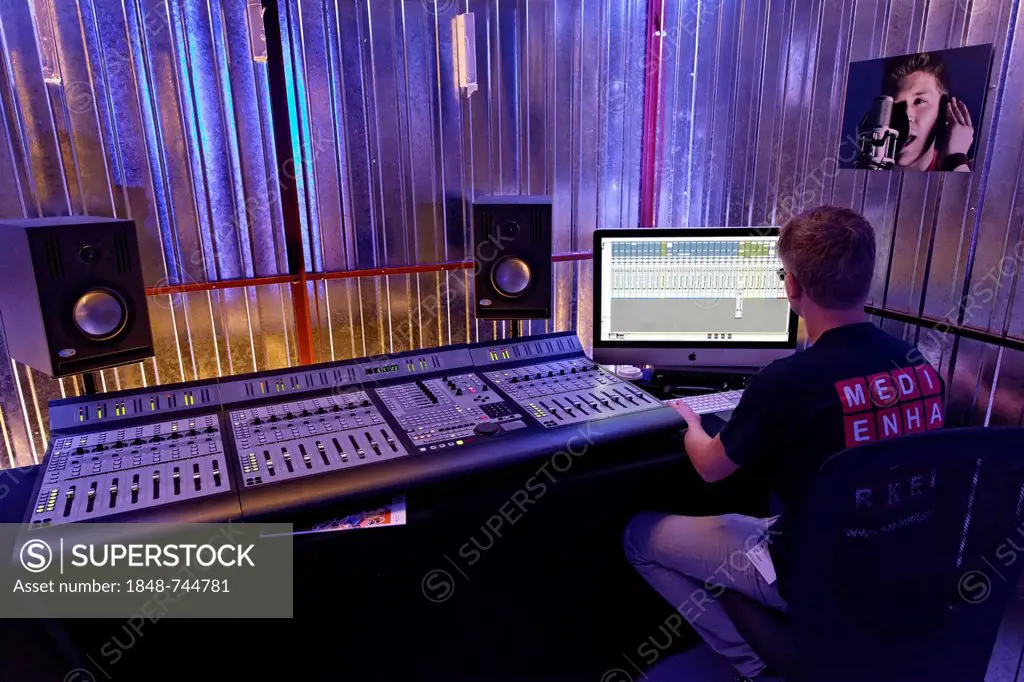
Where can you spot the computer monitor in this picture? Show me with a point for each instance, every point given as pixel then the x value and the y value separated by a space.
pixel 690 298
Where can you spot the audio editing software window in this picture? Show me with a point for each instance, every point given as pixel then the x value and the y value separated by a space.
pixel 693 289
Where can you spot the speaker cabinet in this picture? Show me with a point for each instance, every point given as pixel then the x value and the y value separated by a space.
pixel 512 257
pixel 72 295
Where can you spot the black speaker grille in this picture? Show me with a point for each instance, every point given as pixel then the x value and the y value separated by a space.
pixel 121 251
pixel 487 225
pixel 54 260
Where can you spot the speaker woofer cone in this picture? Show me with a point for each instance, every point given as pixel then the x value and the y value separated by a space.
pixel 100 314
pixel 511 276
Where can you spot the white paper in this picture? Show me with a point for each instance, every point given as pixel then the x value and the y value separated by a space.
pixel 762 561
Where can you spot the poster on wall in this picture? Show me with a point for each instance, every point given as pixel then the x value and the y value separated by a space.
pixel 916 112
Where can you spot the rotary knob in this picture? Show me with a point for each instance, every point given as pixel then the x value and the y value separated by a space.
pixel 486 428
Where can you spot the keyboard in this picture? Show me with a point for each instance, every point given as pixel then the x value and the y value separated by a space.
pixel 709 403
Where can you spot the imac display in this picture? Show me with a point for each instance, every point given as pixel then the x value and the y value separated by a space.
pixel 690 297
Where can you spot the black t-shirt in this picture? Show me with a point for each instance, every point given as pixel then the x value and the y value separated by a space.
pixel 854 385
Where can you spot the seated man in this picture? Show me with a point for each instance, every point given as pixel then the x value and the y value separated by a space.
pixel 854 384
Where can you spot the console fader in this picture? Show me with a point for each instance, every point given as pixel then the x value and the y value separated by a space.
pixel 307 437
pixel 144 454
pixel 269 444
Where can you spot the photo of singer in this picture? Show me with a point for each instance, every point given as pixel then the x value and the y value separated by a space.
pixel 916 112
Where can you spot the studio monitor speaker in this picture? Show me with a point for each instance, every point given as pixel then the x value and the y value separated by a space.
pixel 72 297
pixel 512 257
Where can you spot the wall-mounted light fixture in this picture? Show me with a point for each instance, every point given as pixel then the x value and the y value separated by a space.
pixel 464 41
pixel 257 33
pixel 46 43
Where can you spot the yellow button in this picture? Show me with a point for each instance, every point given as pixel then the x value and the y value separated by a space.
pixel 458 442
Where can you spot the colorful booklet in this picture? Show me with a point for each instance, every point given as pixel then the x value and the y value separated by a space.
pixel 393 514
pixel 387 515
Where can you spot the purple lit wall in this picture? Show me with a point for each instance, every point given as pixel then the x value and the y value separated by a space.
pixel 160 110
pixel 753 96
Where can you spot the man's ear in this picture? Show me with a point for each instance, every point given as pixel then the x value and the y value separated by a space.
pixel 793 288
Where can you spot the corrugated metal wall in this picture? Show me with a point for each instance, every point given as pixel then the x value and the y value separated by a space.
pixel 394 153
pixel 753 95
pixel 158 110
pixel 154 111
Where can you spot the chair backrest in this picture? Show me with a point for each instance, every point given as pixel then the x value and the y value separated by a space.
pixel 905 556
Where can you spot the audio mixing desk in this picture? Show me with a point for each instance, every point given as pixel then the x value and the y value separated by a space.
pixel 266 445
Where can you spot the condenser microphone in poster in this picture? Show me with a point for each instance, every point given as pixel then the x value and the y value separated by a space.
pixel 916 112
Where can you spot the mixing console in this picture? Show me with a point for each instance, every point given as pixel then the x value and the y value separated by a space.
pixel 265 445
pixel 92 476
pixel 569 391
pixel 307 437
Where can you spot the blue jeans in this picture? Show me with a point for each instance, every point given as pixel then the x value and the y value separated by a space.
pixel 689 561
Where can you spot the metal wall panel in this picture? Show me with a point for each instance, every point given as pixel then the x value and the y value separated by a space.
pixel 947 242
pixel 159 111
pixel 400 151
pixel 154 110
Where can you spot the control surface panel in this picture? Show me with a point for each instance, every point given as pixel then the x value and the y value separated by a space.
pixel 154 403
pixel 266 444
pixel 298 438
pixel 569 391
pixel 448 411
pixel 94 475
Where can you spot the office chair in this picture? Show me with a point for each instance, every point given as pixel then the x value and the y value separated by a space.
pixel 904 560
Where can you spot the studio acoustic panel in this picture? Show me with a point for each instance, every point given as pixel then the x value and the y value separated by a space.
pixel 512 241
pixel 72 297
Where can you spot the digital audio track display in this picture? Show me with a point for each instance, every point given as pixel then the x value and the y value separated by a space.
pixel 715 288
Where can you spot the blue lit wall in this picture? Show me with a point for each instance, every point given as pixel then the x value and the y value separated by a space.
pixel 159 110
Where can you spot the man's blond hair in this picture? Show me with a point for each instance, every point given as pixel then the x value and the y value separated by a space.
pixel 830 251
